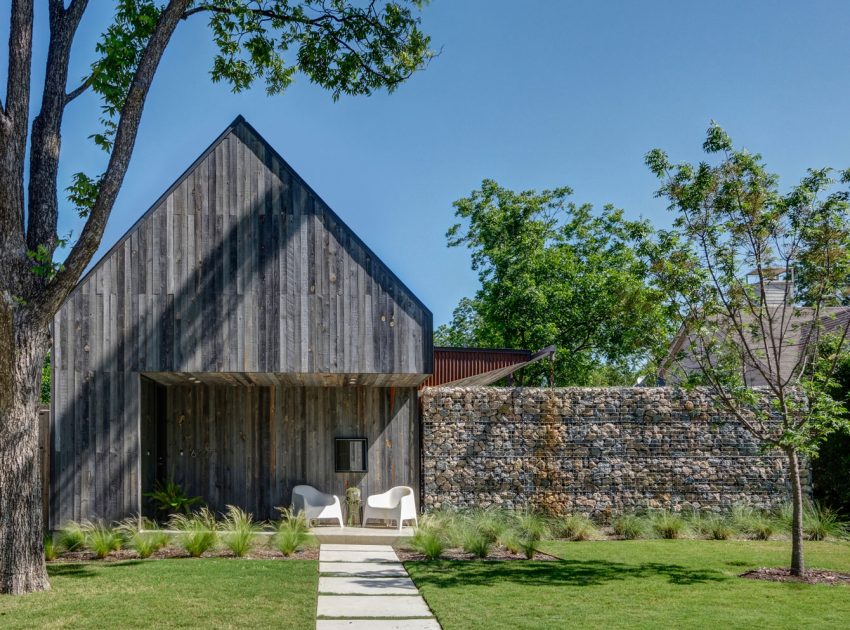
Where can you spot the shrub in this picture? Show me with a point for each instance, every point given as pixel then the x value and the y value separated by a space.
pixel 169 497
pixel 429 542
pixel 669 524
pixel 629 526
pixel 241 530
pixel 574 527
pixel 50 548
pixel 197 531
pixel 102 540
pixel 72 537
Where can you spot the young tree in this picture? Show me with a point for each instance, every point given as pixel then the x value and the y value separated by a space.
pixel 553 272
pixel 742 242
pixel 344 46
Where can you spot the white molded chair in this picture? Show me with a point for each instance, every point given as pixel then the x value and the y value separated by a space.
pixel 396 504
pixel 316 505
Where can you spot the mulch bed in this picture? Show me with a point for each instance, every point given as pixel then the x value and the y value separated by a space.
pixel 499 554
pixel 812 576
pixel 258 553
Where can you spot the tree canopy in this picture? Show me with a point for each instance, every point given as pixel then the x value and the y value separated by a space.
pixel 554 272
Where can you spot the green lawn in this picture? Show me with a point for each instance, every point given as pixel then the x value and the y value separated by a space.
pixel 206 593
pixel 637 584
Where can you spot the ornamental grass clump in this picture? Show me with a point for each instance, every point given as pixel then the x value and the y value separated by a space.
pixel 752 522
pixel 574 527
pixel 476 543
pixel 669 524
pixel 629 526
pixel 144 544
pixel 717 527
pixel 291 532
pixel 102 540
pixel 239 531
pixel 821 523
pixel 509 539
pixel 428 541
pixel 142 535
pixel 51 552
pixel 442 518
pixel 72 537
pixel 198 531
pixel 476 531
pixel 490 522
pixel 530 529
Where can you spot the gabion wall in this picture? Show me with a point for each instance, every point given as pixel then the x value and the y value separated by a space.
pixel 600 451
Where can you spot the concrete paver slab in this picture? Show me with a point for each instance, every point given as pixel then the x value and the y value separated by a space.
pixel 364 606
pixel 364 569
pixel 332 555
pixel 353 585
pixel 335 547
pixel 377 624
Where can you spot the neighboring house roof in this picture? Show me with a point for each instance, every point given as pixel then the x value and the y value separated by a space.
pixel 798 326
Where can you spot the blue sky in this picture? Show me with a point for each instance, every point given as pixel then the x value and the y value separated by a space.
pixel 533 94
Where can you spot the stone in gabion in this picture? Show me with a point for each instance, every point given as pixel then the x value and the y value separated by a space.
pixel 593 450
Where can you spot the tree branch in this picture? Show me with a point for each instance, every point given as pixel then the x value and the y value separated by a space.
pixel 127 128
pixel 82 87
pixel 20 62
pixel 13 139
pixel 43 209
pixel 322 20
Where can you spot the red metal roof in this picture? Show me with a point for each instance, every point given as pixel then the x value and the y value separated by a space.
pixel 454 364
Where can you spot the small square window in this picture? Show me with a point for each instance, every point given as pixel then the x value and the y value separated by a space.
pixel 350 454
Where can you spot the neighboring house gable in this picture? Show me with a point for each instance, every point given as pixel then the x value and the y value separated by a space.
pixel 792 326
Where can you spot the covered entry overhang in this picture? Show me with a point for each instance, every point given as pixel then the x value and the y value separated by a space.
pixel 246 439
pixel 305 379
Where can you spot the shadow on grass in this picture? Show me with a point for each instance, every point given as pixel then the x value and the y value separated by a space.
pixel 448 574
pixel 85 569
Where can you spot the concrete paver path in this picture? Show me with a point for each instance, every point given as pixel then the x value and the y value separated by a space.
pixel 366 587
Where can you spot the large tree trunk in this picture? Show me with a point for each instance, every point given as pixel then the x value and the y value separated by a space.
pixel 797 565
pixel 22 567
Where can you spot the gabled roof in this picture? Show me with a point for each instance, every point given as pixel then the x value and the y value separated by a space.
pixel 239 121
pixel 238 267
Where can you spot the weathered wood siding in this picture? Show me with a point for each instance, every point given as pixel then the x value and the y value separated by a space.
pixel 248 446
pixel 240 267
